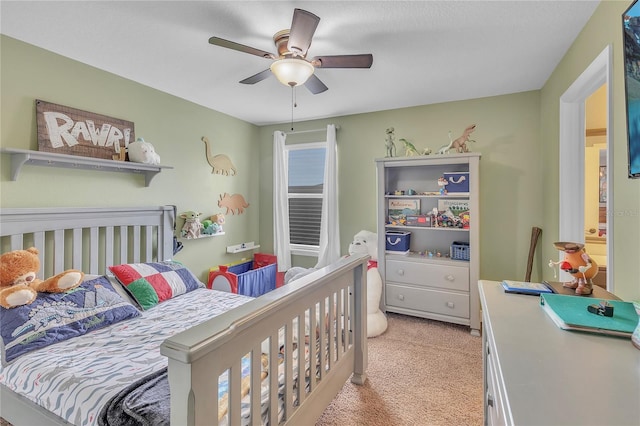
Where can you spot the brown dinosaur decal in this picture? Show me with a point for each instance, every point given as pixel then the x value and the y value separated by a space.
pixel 233 203
pixel 220 163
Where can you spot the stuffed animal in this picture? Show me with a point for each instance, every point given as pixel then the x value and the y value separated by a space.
pixel 142 152
pixel 367 242
pixel 207 227
pixel 18 283
pixel 192 227
pixel 218 221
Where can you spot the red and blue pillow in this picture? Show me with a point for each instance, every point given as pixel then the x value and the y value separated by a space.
pixel 153 283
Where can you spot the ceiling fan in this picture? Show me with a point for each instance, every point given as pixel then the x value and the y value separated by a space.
pixel 291 65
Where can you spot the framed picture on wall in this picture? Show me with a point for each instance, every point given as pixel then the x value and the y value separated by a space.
pixel 631 52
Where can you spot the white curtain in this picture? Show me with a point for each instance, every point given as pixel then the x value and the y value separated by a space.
pixel 281 202
pixel 329 226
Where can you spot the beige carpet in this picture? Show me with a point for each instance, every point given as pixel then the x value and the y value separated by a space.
pixel 421 372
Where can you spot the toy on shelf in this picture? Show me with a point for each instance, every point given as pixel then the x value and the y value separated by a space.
pixel 390 142
pixel 459 145
pixel 213 225
pixel 142 152
pixel 577 263
pixel 410 149
pixel 192 227
pixel 442 183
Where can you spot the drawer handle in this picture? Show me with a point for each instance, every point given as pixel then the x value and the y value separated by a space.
pixel 450 278
pixel 400 271
pixel 451 305
pixel 401 296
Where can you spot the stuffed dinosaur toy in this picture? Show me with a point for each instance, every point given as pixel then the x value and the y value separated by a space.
pixel 19 285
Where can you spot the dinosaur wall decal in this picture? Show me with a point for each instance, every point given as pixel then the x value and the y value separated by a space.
pixel 220 163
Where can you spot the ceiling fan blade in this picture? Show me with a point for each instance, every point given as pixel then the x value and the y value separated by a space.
pixel 303 26
pixel 240 47
pixel 343 61
pixel 314 85
pixel 257 77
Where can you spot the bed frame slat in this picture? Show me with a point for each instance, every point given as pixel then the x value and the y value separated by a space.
pixel 273 378
pixel 235 385
pixel 323 342
pixel 38 242
pixel 124 244
pixel 256 385
pixel 109 245
pixel 313 336
pixel 302 384
pixel 58 251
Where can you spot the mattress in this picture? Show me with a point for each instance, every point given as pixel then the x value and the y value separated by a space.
pixel 74 379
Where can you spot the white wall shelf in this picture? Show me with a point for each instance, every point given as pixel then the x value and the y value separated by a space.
pixel 20 157
pixel 242 247
pixel 203 236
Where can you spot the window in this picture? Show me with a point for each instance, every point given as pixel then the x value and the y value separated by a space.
pixel 305 188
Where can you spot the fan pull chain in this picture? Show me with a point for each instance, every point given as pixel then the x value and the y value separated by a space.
pixel 294 103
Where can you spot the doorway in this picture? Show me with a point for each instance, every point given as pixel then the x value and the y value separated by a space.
pixel 573 139
pixel 595 182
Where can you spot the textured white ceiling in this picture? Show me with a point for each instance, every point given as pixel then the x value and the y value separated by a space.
pixel 424 52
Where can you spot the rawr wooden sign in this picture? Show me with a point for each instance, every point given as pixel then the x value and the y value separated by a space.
pixel 66 130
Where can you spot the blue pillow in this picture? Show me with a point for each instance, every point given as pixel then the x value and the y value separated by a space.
pixel 55 317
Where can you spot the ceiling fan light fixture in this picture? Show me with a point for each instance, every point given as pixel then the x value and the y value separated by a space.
pixel 291 71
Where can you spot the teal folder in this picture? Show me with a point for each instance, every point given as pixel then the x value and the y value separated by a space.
pixel 570 313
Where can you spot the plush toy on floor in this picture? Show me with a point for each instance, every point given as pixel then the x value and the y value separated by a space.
pixel 18 283
pixel 367 242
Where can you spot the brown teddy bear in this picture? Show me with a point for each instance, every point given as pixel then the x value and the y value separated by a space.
pixel 18 283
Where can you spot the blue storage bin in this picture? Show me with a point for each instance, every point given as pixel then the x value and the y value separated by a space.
pixel 457 181
pixel 460 251
pixel 398 241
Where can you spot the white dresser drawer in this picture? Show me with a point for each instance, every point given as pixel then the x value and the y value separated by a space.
pixel 422 299
pixel 493 396
pixel 428 274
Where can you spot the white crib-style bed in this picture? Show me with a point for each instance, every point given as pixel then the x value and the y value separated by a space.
pixel 253 343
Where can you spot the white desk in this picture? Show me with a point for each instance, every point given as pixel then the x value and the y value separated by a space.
pixel 538 374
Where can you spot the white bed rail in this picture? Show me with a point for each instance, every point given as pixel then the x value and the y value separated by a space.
pixel 199 355
pixel 89 239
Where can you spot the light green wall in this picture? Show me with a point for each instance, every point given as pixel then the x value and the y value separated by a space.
pixel 173 125
pixel 517 135
pixel 604 28
pixel 507 136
